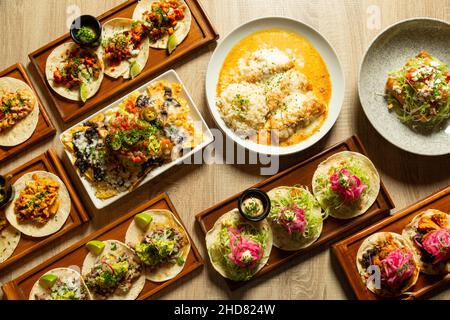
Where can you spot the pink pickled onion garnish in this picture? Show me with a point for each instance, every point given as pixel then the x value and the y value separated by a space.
pixel 245 253
pixel 293 219
pixel 397 267
pixel 437 243
pixel 347 185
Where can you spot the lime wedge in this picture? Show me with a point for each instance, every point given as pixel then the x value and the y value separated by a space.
pixel 172 43
pixel 95 246
pixel 48 280
pixel 143 220
pixel 84 91
pixel 135 69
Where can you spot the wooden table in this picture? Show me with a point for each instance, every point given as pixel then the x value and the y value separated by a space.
pixel 349 25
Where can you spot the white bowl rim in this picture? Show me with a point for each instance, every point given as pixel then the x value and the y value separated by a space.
pixel 271 150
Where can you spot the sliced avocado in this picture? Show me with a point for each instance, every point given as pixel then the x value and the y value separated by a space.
pixel 95 246
pixel 48 280
pixel 84 91
pixel 172 43
pixel 135 69
pixel 143 220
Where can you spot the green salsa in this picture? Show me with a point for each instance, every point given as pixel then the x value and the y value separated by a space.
pixel 86 34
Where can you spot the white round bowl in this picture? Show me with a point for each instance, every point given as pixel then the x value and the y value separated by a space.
pixel 322 46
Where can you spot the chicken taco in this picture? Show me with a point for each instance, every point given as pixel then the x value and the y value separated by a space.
pixel 238 248
pixel 41 204
pixel 295 218
pixel 160 242
pixel 73 72
pixel 346 184
pixel 115 273
pixel 168 21
pixel 60 284
pixel 125 47
pixel 429 235
pixel 19 112
pixel 9 238
pixel 389 256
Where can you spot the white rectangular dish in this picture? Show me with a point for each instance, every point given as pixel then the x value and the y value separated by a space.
pixel 170 76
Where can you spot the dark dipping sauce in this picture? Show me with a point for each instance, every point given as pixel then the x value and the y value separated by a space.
pixel 6 191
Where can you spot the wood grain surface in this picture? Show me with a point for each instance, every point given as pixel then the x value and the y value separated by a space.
pixel 350 26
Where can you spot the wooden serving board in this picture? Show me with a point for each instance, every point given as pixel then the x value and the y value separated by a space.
pixel 20 288
pixel 301 174
pixel 44 128
pixel 50 162
pixel 346 250
pixel 201 34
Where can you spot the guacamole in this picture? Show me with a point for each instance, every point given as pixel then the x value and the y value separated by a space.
pixel 86 35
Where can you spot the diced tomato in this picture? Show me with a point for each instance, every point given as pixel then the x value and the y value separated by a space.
pixel 57 76
pixel 448 77
pixel 179 14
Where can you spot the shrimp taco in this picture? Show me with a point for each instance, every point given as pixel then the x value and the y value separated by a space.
pixel 115 273
pixel 238 248
pixel 41 204
pixel 346 184
pixel 393 257
pixel 160 242
pixel 19 112
pixel 295 218
pixel 429 235
pixel 168 21
pixel 9 238
pixel 60 284
pixel 125 47
pixel 73 72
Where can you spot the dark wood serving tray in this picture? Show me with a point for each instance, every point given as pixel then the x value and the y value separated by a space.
pixel 20 288
pixel 50 162
pixel 301 174
pixel 44 128
pixel 201 34
pixel 346 250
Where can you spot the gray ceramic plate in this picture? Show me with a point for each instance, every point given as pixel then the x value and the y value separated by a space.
pixel 389 52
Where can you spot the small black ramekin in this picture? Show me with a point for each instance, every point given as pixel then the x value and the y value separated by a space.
pixel 261 195
pixel 86 21
pixel 8 193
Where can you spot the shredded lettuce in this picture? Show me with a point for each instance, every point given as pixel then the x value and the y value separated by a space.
pixel 220 250
pixel 306 202
pixel 329 199
pixel 418 110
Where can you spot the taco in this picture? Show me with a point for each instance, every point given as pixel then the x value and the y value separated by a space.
pixel 295 218
pixel 41 204
pixel 9 238
pixel 125 47
pixel 19 112
pixel 346 185
pixel 60 284
pixel 393 257
pixel 73 72
pixel 115 274
pixel 238 248
pixel 164 19
pixel 162 245
pixel 429 235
